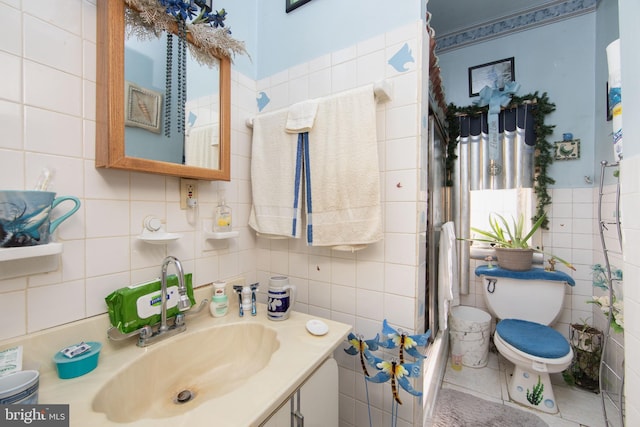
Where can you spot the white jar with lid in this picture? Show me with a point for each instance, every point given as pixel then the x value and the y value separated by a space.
pixel 219 287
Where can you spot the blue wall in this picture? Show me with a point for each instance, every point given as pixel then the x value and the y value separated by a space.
pixel 277 40
pixel 562 59
pixel 558 59
pixel 242 18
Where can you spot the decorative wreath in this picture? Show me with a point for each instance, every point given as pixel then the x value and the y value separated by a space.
pixel 209 38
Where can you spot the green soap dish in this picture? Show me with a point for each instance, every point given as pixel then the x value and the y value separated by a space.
pixel 79 365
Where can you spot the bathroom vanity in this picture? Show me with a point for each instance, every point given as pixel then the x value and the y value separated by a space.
pixel 238 371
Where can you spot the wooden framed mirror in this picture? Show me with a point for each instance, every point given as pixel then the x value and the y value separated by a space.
pixel 114 144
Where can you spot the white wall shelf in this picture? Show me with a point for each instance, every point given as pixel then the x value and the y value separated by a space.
pixel 29 260
pixel 154 233
pixel 218 235
pixel 159 238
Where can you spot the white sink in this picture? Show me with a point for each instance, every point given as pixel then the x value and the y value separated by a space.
pixel 170 380
pixel 239 369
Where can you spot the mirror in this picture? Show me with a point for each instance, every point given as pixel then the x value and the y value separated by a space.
pixel 130 110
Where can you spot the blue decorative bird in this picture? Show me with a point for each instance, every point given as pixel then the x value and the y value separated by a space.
pixel 400 58
pixel 262 100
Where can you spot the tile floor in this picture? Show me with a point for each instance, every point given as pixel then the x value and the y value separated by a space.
pixel 577 407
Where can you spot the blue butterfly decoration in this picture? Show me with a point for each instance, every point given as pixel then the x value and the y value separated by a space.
pixel 397 372
pixel 404 342
pixel 363 348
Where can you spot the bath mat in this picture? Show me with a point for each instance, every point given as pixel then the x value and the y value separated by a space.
pixel 457 409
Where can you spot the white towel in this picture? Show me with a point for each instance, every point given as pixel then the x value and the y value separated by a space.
pixel 273 164
pixel 448 282
pixel 201 147
pixel 343 172
pixel 301 116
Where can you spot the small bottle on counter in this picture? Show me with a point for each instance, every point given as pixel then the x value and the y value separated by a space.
pixel 219 287
pixel 219 301
pixel 219 305
pixel 222 221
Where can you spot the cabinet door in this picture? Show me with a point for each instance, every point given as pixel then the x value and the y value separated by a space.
pixel 282 417
pixel 319 397
pixel 317 401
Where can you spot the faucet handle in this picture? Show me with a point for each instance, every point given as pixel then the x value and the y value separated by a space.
pixel 145 332
pixel 179 319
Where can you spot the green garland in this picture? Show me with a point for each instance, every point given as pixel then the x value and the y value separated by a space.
pixel 543 152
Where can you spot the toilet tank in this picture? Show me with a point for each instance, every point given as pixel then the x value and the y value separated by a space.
pixel 528 298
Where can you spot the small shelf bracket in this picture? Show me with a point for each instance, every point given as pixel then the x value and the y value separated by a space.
pixel 28 260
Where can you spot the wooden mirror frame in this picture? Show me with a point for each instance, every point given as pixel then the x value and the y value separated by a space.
pixel 110 111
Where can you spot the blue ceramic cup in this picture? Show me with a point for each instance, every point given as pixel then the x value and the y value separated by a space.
pixel 25 217
pixel 280 298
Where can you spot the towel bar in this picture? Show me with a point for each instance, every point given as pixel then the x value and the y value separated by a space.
pixel 382 90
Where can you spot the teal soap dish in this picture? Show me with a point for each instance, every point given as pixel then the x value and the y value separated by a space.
pixel 79 365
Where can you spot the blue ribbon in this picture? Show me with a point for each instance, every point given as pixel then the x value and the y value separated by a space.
pixel 495 99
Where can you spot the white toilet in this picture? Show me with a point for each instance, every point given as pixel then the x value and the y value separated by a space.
pixel 525 303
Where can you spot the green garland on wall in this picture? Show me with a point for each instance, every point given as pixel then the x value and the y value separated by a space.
pixel 543 152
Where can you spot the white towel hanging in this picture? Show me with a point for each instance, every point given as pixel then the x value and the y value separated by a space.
pixel 382 90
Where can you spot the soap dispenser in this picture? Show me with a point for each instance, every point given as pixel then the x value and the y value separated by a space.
pixel 222 222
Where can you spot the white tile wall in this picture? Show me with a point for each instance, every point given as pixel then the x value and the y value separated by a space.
pixel 380 281
pixel 630 199
pixel 47 114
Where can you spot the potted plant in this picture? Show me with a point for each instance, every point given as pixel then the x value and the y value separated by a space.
pixel 511 244
pixel 616 317
pixel 586 340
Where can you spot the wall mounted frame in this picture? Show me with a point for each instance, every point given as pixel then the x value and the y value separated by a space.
pixel 294 4
pixel 496 73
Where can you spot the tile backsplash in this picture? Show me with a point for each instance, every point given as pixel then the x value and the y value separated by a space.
pixel 52 125
pixel 47 112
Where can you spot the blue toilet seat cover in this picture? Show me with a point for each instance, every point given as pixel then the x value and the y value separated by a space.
pixel 533 338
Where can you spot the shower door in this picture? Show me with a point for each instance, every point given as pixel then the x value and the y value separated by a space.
pixel 438 212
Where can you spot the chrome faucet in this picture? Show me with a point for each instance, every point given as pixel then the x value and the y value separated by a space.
pixel 146 334
pixel 183 300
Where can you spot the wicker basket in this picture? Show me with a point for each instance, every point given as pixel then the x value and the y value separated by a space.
pixel 515 259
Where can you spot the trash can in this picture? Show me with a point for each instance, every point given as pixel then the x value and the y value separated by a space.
pixel 470 331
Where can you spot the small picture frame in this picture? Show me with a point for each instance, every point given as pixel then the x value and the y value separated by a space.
pixel 290 5
pixel 493 74
pixel 142 107
pixel 567 150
